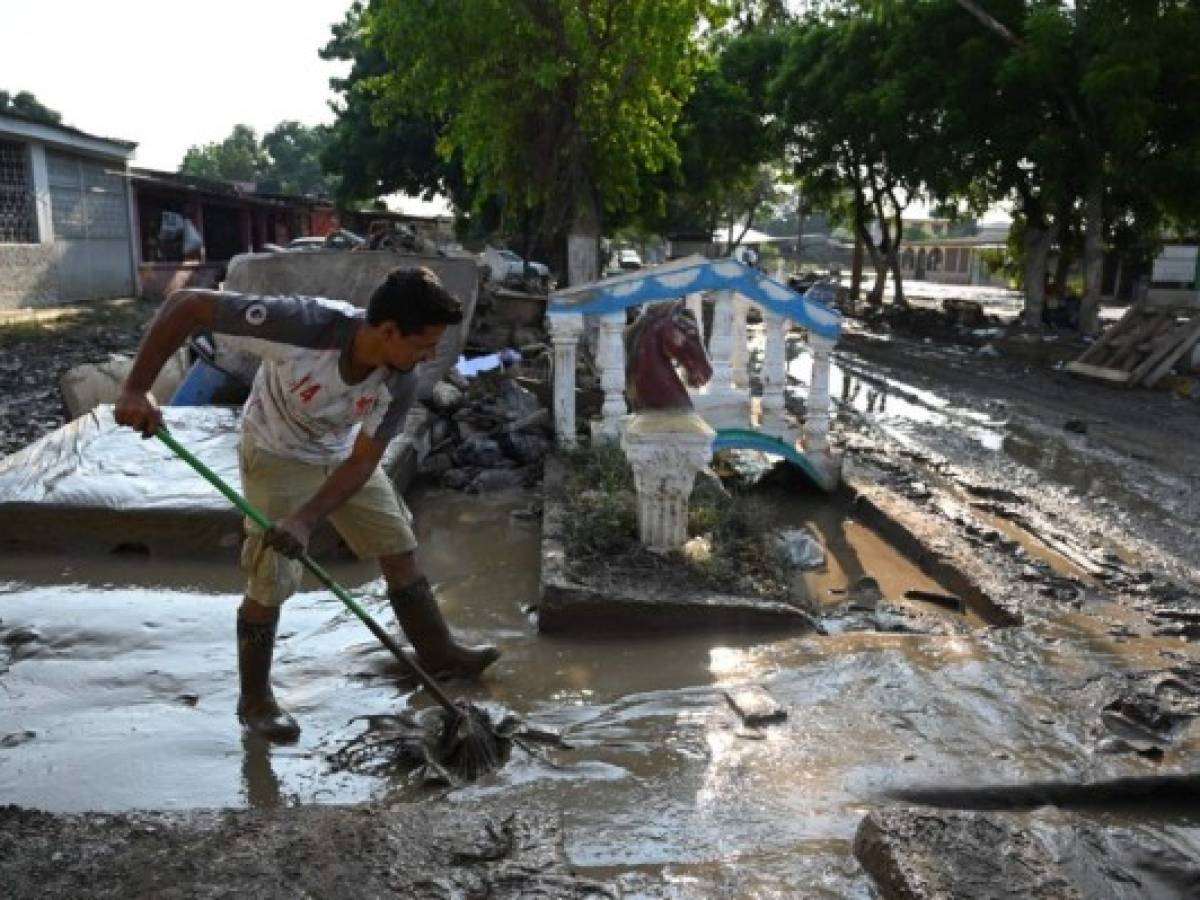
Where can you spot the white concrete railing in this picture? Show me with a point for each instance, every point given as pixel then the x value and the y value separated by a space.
pixel 726 401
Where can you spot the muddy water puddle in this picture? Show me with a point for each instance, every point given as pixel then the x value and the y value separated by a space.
pixel 902 411
pixel 119 693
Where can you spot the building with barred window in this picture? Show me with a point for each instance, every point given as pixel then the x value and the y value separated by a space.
pixel 66 217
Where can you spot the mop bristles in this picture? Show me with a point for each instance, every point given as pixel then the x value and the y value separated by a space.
pixel 445 748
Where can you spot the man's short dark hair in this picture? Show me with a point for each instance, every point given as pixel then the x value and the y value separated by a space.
pixel 415 300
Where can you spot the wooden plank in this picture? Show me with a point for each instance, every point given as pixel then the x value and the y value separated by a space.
pixel 755 705
pixel 1116 376
pixel 1162 348
pixel 1131 315
pixel 1132 353
pixel 1190 338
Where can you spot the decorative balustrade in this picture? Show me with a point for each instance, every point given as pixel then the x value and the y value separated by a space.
pixel 725 403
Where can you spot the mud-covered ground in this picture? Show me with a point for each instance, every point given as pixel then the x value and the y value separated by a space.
pixel 37 347
pixel 1069 507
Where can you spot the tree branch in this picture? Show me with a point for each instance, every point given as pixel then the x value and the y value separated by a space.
pixel 988 22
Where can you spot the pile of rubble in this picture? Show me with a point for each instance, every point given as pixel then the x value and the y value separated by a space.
pixel 491 432
pixel 492 429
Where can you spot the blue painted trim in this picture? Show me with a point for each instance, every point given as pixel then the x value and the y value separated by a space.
pixel 745 439
pixel 693 275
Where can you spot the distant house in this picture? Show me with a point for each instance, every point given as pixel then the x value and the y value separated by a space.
pixel 954 260
pixel 226 218
pixel 66 226
pixel 189 228
pixel 1175 275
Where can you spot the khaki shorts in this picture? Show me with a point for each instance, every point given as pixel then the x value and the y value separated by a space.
pixel 374 522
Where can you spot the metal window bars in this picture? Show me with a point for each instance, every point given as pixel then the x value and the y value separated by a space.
pixel 18 218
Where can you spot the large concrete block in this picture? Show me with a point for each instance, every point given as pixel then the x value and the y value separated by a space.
pixel 86 386
pixel 352 276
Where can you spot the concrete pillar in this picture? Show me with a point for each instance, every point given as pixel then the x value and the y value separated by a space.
pixel 610 358
pixel 816 422
pixel 695 304
pixel 720 402
pixel 135 231
pixel 583 258
pixel 720 344
pixel 665 451
pixel 774 373
pixel 565 329
pixel 739 357
pixel 43 209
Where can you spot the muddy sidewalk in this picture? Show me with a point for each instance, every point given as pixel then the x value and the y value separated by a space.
pixel 38 346
pixel 397 851
pixel 1110 468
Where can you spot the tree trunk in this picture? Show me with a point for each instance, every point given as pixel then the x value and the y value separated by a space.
pixel 856 267
pixel 894 259
pixel 583 241
pixel 860 226
pixel 1062 268
pixel 898 290
pixel 1093 260
pixel 879 263
pixel 1038 239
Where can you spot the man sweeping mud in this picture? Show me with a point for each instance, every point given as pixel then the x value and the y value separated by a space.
pixel 333 389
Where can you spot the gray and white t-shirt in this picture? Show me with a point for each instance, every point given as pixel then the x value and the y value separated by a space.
pixel 299 406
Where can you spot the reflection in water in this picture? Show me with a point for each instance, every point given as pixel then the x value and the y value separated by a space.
pixel 260 785
pixel 897 409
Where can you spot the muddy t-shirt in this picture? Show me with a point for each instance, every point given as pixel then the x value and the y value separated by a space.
pixel 299 406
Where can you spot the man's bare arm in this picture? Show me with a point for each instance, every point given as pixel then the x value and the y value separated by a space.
pixel 184 312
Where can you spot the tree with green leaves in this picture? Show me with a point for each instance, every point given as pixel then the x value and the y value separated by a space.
pixel 555 105
pixel 286 161
pixel 376 152
pixel 857 138
pixel 730 146
pixel 26 105
pixel 1100 90
pixel 294 152
pixel 239 157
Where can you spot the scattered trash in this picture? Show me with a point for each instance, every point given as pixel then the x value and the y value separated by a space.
pixel 479 364
pixel 988 350
pixel 698 549
pixel 803 551
pixel 1076 426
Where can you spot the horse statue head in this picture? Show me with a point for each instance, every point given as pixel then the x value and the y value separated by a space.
pixel 664 336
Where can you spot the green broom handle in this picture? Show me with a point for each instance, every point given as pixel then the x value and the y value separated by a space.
pixel 309 563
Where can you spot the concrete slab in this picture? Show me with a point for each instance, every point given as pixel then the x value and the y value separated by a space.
pixel 943 855
pixel 919 855
pixel 352 276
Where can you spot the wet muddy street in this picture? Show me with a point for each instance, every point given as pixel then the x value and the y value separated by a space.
pixel 119 686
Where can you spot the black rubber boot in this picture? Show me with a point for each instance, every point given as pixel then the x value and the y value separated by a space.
pixel 257 709
pixel 418 614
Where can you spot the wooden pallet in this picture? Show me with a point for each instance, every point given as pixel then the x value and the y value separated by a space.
pixel 1141 347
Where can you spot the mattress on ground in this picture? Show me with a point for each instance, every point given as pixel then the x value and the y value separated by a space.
pixel 93 485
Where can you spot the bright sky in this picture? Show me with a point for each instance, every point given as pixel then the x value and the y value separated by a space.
pixel 167 74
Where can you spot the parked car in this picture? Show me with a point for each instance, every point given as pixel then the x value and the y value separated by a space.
pixel 335 240
pixel 504 266
pixel 628 259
